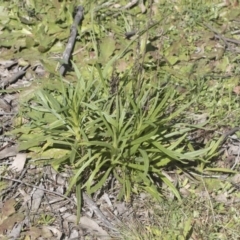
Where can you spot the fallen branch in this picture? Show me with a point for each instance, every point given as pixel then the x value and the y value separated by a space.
pixel 231 40
pixel 37 187
pixel 87 200
pixel 15 77
pixel 217 34
pixel 71 42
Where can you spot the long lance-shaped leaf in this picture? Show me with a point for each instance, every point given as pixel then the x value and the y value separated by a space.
pixel 98 165
pixel 146 161
pixel 116 175
pixel 80 170
pixel 157 111
pixel 138 167
pixel 171 186
pixel 221 170
pixel 73 153
pixel 172 154
pixel 214 146
pixel 100 182
pixel 107 125
pixel 110 120
pixel 103 80
pixel 128 189
pixel 193 155
pixel 79 199
pixel 144 138
pixel 126 130
pixel 178 142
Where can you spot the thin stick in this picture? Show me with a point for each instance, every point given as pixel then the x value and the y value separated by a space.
pixel 70 45
pixel 87 199
pixel 15 77
pixel 34 186
pixel 217 34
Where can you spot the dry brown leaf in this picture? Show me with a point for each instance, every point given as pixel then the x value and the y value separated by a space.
pixel 8 152
pixel 34 232
pixel 91 224
pixel 236 179
pixel 9 223
pixel 19 162
pixel 70 217
pixel 16 230
pixel 74 234
pixel 56 232
pixel 8 208
pixel 37 198
pixel 222 198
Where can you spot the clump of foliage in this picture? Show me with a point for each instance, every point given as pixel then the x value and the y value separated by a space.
pixel 128 133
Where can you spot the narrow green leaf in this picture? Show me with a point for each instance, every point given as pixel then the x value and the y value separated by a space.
pixel 187 227
pixel 136 166
pixel 100 182
pixel 80 170
pixel 158 110
pixel 171 187
pixel 128 189
pixel 76 70
pixel 79 200
pixel 97 143
pixel 116 175
pixel 178 142
pixel 226 170
pixel 214 146
pixel 172 154
pixel 152 190
pixel 145 160
pixel 193 155
pixel 110 120
pixel 73 152
pixel 144 138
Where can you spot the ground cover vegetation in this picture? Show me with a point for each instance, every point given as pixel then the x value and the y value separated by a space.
pixel 142 115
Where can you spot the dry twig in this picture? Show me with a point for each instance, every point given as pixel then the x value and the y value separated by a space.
pixel 71 42
pixel 15 77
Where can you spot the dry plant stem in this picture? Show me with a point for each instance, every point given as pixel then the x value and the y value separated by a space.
pixel 34 186
pixel 219 36
pixel 229 133
pixel 85 197
pixel 15 77
pixel 130 4
pixel 224 39
pixel 70 45
pixel 60 220
pixel 14 184
pixel 230 40
pixel 8 152
pixel 210 201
